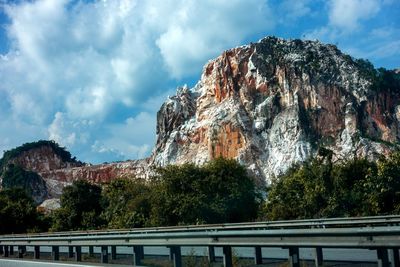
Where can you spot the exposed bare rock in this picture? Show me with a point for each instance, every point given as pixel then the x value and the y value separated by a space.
pixel 49 205
pixel 57 179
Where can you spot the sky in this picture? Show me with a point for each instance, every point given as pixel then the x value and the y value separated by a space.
pixel 91 75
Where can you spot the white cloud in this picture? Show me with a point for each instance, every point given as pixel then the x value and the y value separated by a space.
pixel 68 132
pixel 294 9
pixel 196 30
pixel 347 14
pixel 133 138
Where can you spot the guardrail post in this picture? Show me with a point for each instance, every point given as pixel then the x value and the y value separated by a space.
pixel 137 255
pixel 211 253
pixel 55 253
pixel 171 254
pixel 113 252
pixel 20 252
pixel 383 260
pixel 142 252
pixel 6 251
pixel 395 257
pixel 11 250
pixel 227 251
pixel 294 257
pixel 257 255
pixel 175 251
pixel 70 251
pixel 36 252
pixel 104 254
pixel 319 257
pixel 91 253
pixel 78 253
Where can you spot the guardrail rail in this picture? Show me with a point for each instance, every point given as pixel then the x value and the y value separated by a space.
pixel 380 233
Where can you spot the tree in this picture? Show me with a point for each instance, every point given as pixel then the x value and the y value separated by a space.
pixel 80 207
pixel 357 187
pixel 348 197
pixel 176 197
pixel 382 191
pixel 231 192
pixel 220 191
pixel 127 203
pixel 18 213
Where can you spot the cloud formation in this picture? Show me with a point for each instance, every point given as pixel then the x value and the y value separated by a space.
pixel 347 15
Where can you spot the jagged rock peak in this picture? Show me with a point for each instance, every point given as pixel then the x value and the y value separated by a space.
pixel 273 103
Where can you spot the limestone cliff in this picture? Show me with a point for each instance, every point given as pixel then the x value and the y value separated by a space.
pixel 273 103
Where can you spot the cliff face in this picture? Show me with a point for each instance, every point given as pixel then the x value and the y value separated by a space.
pixel 273 103
pixel 270 104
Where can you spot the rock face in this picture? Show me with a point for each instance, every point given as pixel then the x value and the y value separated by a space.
pixel 269 104
pixel 57 179
pixel 273 103
pixel 58 170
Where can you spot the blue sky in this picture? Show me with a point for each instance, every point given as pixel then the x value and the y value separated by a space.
pixel 91 75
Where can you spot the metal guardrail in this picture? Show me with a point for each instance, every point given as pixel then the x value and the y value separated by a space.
pixel 265 225
pixel 380 233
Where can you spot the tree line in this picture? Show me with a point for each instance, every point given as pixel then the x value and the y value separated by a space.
pixel 220 191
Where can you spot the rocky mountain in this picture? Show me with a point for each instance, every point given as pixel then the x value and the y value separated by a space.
pixel 268 104
pixel 275 102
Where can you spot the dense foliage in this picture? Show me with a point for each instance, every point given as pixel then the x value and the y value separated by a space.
pixel 126 203
pixel 220 191
pixel 80 207
pixel 18 213
pixel 320 188
pixel 13 153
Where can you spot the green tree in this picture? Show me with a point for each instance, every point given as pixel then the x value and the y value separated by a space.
pixel 348 195
pixel 127 203
pixel 318 188
pixel 303 191
pixel 81 206
pixel 231 192
pixel 18 213
pixel 176 197
pixel 220 191
pixel 382 191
